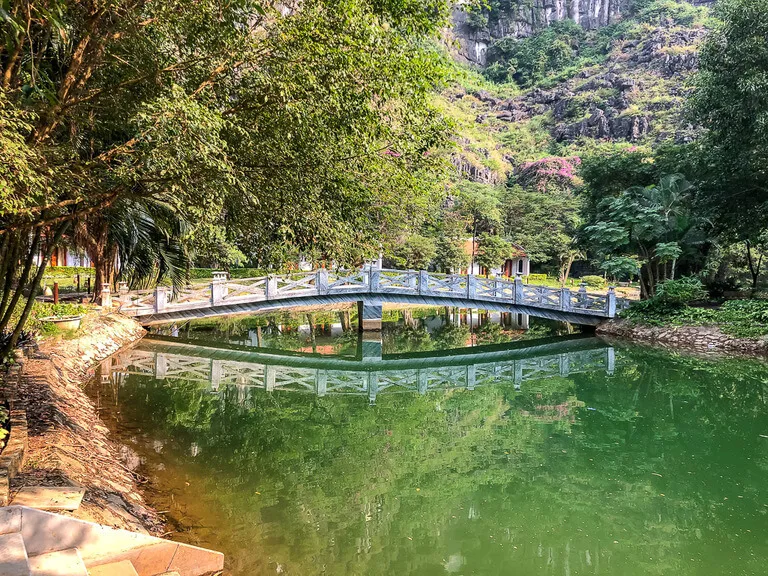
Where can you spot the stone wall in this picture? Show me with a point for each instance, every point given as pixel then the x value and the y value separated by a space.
pixel 700 338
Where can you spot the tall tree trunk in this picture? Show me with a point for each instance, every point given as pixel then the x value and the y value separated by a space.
pixel 32 287
pixel 22 283
pixel 754 270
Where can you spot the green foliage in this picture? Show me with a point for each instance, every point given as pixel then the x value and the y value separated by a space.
pixel 731 101
pixel 738 318
pixel 450 255
pixel 528 60
pixel 656 224
pixel 682 291
pixel 492 251
pixel 621 266
pixel 415 253
pixel 5 425
pixel 677 12
pixel 593 281
pixel 536 278
pixel 206 273
pixel 543 222
pixel 45 309
pixel 67 271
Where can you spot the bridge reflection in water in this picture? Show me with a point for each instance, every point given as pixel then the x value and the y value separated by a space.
pixel 369 374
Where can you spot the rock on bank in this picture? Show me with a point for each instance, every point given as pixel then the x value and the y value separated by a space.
pixel 68 443
pixel 702 338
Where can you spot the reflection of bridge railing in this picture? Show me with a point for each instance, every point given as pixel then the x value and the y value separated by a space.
pixel 344 376
pixel 367 282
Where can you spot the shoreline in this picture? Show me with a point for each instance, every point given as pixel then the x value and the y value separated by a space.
pixel 686 337
pixel 69 445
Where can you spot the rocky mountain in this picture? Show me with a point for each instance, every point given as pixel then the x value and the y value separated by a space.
pixel 477 27
pixel 621 84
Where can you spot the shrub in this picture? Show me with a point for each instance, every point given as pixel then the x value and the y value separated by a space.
pixel 718 288
pixel 536 278
pixel 681 292
pixel 594 281
pixel 206 273
pixel 68 271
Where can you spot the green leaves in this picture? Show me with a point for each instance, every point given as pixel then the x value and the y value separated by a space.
pixel 731 102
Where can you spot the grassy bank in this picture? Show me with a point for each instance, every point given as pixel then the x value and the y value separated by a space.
pixel 737 318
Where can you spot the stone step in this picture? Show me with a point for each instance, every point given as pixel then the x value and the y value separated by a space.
pixel 122 568
pixel 13 555
pixel 49 497
pixel 62 563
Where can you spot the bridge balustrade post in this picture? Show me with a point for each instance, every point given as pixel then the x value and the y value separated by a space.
pixel 518 374
pixel 565 299
pixel 122 288
pixel 471 286
pixel 610 360
pixel 374 277
pixel 321 382
pixel 270 379
pixel 610 303
pixel 423 282
pixel 161 366
pixel 216 372
pixel 565 365
pixel 519 296
pixel 161 298
pixel 106 296
pixel 217 292
pixel 270 288
pixel 321 281
pixel 373 387
pixel 423 382
pixel 413 280
pixel 582 297
pixel 471 377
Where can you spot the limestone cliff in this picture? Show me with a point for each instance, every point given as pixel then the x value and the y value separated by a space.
pixel 630 88
pixel 474 31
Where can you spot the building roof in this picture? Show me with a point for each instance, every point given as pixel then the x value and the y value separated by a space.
pixel 520 251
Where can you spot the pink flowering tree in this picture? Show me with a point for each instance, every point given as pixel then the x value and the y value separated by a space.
pixel 550 173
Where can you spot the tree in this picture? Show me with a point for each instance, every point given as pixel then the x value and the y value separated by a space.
pixel 757 249
pixel 414 253
pixel 730 101
pixel 450 255
pixel 544 223
pixel 656 224
pixel 492 251
pixel 270 131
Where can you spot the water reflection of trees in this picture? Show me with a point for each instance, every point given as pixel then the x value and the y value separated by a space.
pixel 406 330
pixel 631 478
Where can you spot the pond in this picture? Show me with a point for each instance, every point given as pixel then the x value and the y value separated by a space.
pixel 457 443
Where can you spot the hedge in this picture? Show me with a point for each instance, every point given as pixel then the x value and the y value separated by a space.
pixel 68 271
pixel 594 281
pixel 534 278
pixel 205 273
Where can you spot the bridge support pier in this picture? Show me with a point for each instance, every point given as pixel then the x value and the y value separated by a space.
pixel 369 313
pixel 370 346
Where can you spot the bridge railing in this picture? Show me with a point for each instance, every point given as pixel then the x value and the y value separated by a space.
pixel 369 281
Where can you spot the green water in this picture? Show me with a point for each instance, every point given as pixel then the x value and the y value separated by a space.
pixel 566 457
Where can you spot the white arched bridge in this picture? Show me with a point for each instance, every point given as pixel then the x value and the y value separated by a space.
pixel 370 288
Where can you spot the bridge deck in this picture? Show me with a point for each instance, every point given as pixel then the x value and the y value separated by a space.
pixel 324 287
